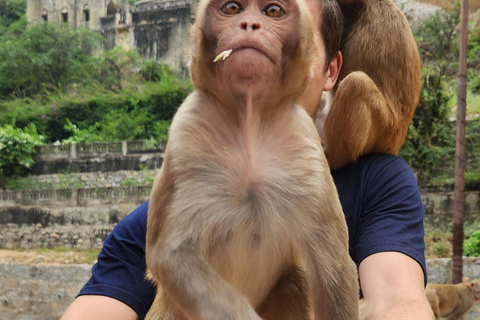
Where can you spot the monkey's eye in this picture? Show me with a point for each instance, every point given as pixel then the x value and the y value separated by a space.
pixel 274 11
pixel 232 8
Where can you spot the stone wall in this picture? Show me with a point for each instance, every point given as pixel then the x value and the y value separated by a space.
pixel 65 226
pixel 439 207
pixel 44 291
pixel 85 217
pixel 106 163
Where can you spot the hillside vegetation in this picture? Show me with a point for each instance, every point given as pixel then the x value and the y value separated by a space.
pixel 55 87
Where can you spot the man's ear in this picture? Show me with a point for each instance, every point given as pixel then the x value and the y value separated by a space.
pixel 332 72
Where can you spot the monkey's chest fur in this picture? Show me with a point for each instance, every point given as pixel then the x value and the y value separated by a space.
pixel 246 196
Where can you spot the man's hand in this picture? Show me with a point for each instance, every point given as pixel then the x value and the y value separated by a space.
pixel 393 288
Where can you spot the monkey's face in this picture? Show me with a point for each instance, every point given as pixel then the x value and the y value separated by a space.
pixel 271 42
pixel 475 285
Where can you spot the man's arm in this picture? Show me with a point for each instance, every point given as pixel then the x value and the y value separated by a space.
pixel 393 288
pixel 93 307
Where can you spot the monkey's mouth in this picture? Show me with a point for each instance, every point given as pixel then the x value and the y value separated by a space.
pixel 254 47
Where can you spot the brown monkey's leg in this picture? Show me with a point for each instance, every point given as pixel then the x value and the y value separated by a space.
pixel 288 299
pixel 331 274
pixel 163 309
pixel 358 118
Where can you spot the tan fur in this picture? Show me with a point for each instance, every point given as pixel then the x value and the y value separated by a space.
pixel 452 301
pixel 379 83
pixel 244 220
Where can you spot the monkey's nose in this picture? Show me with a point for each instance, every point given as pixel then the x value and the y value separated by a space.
pixel 250 25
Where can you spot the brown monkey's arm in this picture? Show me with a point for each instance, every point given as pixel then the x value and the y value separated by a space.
pixel 193 285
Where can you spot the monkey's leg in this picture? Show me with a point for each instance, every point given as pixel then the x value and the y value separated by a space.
pixel 192 285
pixel 163 309
pixel 288 299
pixel 359 118
pixel 332 276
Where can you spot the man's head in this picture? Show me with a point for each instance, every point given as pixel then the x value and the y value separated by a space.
pixel 328 20
pixel 331 27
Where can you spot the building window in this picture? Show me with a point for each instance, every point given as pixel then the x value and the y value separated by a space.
pixel 86 15
pixel 64 15
pixel 45 16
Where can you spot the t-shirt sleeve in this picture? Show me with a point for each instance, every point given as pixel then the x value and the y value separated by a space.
pixel 393 212
pixel 120 270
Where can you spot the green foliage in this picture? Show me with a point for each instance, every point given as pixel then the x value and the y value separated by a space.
pixel 147 178
pixel 153 71
pixel 16 149
pixel 78 136
pixel 471 246
pixel 65 180
pixel 437 37
pixel 10 12
pixel 46 57
pixel 115 68
pixel 429 142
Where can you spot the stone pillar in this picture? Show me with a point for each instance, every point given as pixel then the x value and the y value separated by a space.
pixel 74 197
pixel 134 192
pixel 124 148
pixel 18 197
pixel 73 150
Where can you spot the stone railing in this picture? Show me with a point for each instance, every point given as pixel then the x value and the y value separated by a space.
pixel 75 150
pixel 73 196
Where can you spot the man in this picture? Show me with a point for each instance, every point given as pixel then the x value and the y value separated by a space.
pixel 379 196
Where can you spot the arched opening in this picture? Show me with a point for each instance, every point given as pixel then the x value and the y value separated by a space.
pixel 86 13
pixel 112 9
pixel 45 15
pixel 64 15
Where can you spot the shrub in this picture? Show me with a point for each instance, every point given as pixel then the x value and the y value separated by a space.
pixel 46 57
pixel 429 144
pixel 471 246
pixel 16 149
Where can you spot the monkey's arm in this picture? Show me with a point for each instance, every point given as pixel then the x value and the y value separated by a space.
pixel 393 288
pixel 192 284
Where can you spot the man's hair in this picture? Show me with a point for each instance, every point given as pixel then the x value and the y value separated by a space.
pixel 331 28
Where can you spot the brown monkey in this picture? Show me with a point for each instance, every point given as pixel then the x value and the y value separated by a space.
pixel 452 301
pixel 379 84
pixel 244 221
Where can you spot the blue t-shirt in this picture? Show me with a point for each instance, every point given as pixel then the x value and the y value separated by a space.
pixel 380 199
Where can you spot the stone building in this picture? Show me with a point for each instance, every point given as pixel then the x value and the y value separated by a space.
pixel 158 28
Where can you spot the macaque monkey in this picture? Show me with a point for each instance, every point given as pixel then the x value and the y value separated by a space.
pixel 244 220
pixel 379 84
pixel 452 301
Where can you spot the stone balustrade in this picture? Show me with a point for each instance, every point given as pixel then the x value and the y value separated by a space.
pixel 74 150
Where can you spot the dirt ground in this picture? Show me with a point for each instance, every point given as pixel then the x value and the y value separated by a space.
pixel 46 256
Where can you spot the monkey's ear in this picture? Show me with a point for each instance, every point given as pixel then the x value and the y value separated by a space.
pixel 332 72
pixel 472 284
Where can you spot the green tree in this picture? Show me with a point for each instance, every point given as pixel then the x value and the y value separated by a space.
pixel 437 39
pixel 11 11
pixel 17 147
pixel 45 57
pixel 430 139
